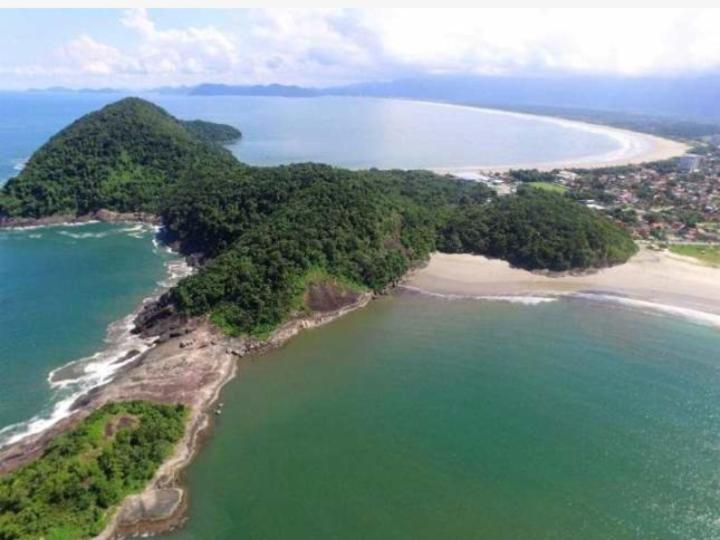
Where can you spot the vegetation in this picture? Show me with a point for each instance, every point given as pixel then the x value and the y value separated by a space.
pixel 121 158
pixel 211 132
pixel 532 175
pixel 263 231
pixel 706 253
pixel 549 186
pixel 72 489
pixel 538 229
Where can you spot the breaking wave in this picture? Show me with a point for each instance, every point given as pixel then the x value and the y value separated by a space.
pixel 75 379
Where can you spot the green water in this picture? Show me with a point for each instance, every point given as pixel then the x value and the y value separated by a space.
pixel 426 418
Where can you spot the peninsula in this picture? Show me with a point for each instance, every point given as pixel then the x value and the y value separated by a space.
pixel 277 249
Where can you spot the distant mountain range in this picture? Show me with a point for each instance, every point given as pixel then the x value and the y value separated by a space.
pixel 690 98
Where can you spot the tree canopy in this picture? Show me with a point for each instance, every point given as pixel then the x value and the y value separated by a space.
pixel 121 157
pixel 70 491
pixel 262 230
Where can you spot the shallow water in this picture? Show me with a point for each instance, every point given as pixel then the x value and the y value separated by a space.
pixel 427 418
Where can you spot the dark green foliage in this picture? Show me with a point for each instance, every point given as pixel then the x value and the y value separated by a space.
pixel 532 175
pixel 69 492
pixel 262 230
pixel 538 229
pixel 121 158
pixel 271 226
pixel 211 132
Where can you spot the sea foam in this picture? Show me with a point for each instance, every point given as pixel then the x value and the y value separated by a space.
pixel 702 317
pixel 75 379
pixel 527 300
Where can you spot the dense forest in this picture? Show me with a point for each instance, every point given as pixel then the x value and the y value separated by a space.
pixel 537 229
pixel 261 231
pixel 82 475
pixel 121 157
pixel 211 132
pixel 265 233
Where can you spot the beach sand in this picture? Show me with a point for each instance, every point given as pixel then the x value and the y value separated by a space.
pixel 650 280
pixel 634 148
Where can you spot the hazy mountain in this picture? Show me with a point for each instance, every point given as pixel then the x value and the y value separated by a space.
pixel 279 90
pixel 686 97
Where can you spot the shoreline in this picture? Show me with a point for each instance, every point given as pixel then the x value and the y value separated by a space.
pixel 635 147
pixel 193 363
pixel 190 364
pixel 146 513
pixel 656 281
pixel 120 349
pixel 67 220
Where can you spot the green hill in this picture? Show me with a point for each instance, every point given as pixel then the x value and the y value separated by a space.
pixel 121 157
pixel 265 233
pixel 538 229
pixel 211 132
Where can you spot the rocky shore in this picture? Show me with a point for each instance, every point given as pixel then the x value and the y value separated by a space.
pixel 105 216
pixel 189 363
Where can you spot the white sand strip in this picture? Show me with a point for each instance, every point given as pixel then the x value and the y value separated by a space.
pixel 654 277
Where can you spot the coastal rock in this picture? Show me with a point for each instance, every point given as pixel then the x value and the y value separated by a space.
pixel 106 216
pixel 192 375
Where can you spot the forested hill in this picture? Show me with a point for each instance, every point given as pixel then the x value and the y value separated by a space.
pixel 211 132
pixel 268 234
pixel 121 158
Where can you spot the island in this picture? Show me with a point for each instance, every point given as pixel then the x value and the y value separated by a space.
pixel 276 250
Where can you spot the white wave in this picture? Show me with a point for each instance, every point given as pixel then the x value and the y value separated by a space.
pixel 75 379
pixel 51 225
pixel 513 299
pixel 19 164
pixel 139 230
pixel 176 270
pixel 82 236
pixel 694 315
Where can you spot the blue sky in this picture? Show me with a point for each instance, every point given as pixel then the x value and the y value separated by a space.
pixel 143 48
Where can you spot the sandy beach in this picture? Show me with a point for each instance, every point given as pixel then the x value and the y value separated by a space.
pixel 653 280
pixel 634 148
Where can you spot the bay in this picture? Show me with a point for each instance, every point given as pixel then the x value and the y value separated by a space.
pixel 424 418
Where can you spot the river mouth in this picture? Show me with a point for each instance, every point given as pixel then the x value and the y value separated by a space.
pixel 418 417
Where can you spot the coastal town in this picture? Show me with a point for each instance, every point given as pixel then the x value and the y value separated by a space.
pixel 674 201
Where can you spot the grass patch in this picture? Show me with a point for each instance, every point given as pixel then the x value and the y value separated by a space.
pixel 706 253
pixel 70 492
pixel 548 186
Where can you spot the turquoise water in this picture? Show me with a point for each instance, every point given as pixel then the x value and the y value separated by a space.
pixel 425 418
pixel 60 288
pixel 350 132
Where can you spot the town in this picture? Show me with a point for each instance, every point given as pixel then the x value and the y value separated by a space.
pixel 668 202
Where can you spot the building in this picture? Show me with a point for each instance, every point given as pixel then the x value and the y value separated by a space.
pixel 689 163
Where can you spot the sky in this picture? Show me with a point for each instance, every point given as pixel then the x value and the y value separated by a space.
pixel 140 48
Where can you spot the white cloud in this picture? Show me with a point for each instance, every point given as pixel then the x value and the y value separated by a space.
pixel 626 41
pixel 175 51
pixel 92 57
pixel 335 46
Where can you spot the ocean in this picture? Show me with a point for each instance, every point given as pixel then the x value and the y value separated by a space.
pixel 417 417
pixel 67 295
pixel 349 132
